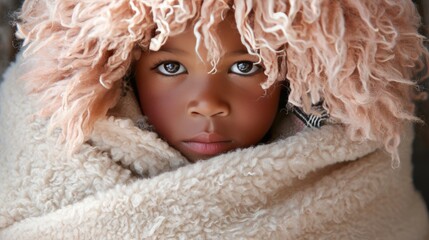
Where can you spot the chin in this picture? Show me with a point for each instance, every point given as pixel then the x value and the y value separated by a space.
pixel 196 158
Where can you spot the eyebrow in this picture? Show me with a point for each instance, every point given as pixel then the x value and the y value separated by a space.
pixel 238 52
pixel 172 50
pixel 181 51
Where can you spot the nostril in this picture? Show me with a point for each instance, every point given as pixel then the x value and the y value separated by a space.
pixel 220 114
pixel 209 109
pixel 215 114
pixel 195 113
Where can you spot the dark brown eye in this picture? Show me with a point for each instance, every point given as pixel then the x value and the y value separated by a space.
pixel 171 68
pixel 244 68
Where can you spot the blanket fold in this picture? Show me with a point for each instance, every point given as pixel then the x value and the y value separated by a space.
pixel 126 183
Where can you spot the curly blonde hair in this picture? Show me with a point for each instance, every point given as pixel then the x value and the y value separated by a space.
pixel 358 57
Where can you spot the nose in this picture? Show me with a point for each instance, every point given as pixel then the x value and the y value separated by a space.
pixel 209 99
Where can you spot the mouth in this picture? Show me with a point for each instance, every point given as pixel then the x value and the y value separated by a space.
pixel 208 144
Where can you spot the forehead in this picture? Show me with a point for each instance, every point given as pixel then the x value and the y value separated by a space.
pixel 224 38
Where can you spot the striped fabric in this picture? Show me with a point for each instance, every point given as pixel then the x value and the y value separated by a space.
pixel 312 120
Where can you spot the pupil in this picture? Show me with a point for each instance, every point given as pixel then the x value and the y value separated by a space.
pixel 171 67
pixel 244 67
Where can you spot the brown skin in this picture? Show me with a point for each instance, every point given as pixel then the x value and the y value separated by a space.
pixel 201 114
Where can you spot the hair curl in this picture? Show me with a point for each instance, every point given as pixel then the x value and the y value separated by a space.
pixel 358 57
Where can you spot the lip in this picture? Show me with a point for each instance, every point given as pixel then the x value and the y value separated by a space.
pixel 208 144
pixel 206 137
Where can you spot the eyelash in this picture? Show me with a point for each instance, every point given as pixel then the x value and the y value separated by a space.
pixel 163 62
pixel 252 71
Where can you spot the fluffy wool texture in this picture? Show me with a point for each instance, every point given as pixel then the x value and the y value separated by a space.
pixel 358 57
pixel 126 183
pixel 119 180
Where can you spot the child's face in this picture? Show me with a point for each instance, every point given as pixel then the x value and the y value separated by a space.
pixel 199 113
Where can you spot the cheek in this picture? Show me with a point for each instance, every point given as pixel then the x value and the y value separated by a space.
pixel 255 117
pixel 160 111
pixel 156 103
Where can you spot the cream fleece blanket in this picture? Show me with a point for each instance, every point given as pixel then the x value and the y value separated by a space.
pixel 126 183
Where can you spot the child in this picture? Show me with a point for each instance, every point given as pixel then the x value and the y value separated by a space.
pixel 203 114
pixel 167 120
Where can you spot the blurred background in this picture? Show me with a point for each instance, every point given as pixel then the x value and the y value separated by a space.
pixel 421 141
pixel 9 46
